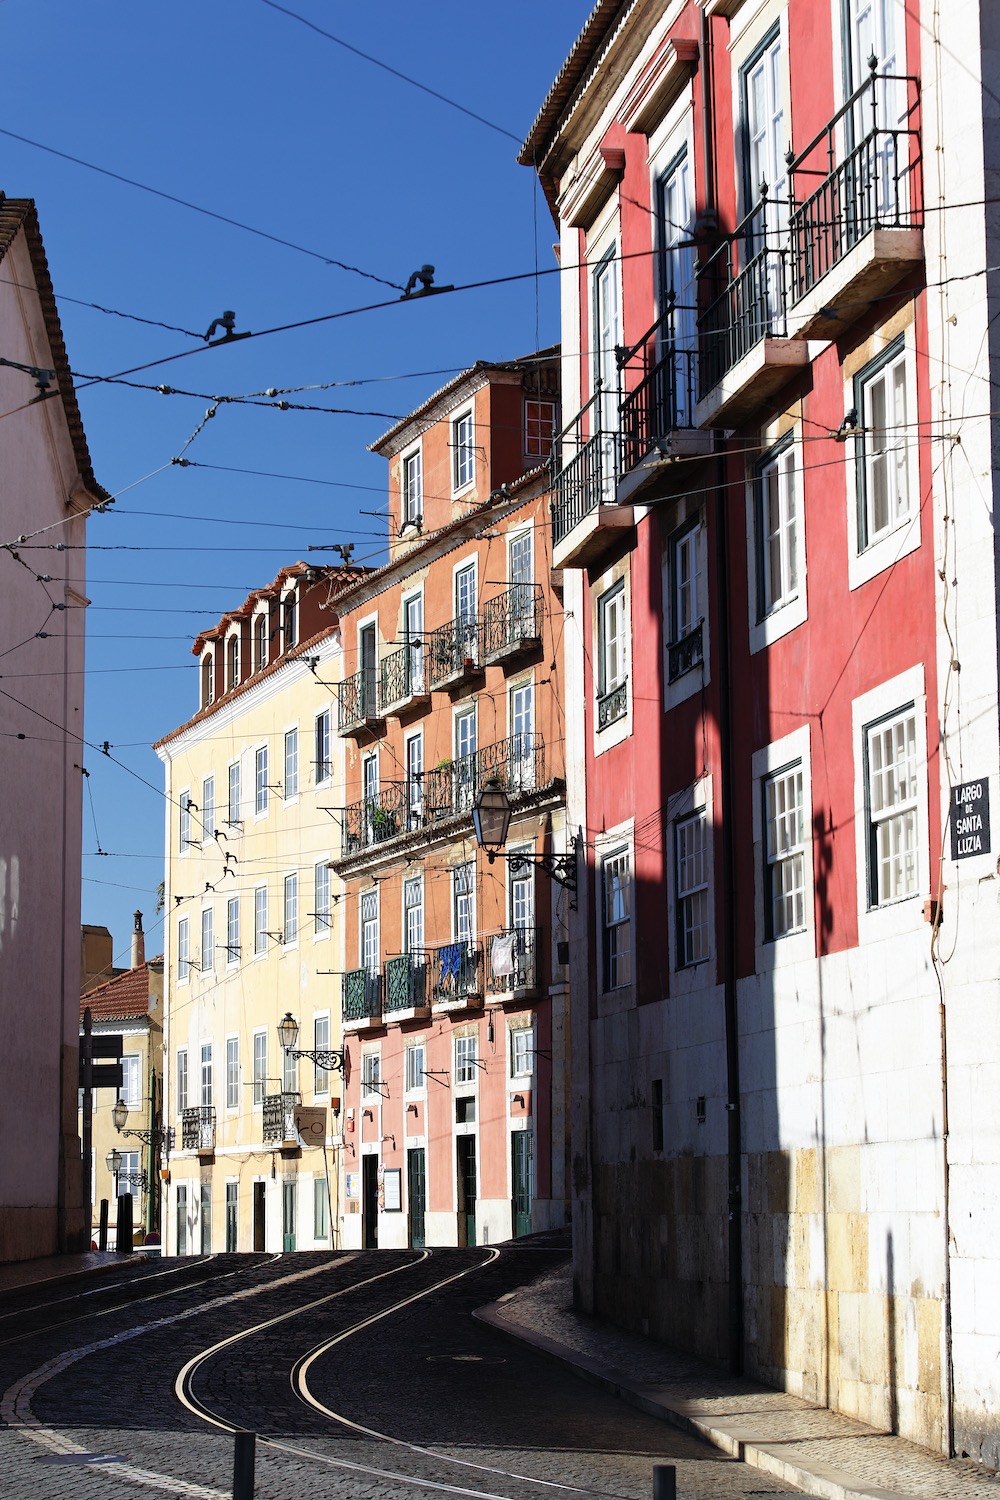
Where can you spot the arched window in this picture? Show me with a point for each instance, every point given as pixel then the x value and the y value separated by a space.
pixel 259 642
pixel 232 662
pixel 289 622
pixel 207 678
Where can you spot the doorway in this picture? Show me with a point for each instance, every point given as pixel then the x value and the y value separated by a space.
pixel 416 1194
pixel 259 1226
pixel 520 1177
pixel 465 1154
pixel 369 1202
pixel 288 1197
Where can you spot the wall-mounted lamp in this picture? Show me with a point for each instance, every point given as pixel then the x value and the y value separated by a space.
pixel 491 815
pixel 329 1058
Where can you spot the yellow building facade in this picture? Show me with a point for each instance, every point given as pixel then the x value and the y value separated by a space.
pixel 254 782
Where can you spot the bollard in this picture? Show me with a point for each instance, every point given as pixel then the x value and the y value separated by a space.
pixel 243 1465
pixel 664 1482
pixel 123 1228
pixel 102 1233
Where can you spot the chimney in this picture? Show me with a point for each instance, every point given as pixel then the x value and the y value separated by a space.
pixel 138 942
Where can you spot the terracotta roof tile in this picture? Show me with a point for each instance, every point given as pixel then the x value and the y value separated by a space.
pixel 123 998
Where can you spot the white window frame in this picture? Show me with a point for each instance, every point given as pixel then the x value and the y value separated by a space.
pixel 131 1089
pixel 260 921
pixel 466 1055
pixel 690 848
pixel 290 910
pixel 259 641
pixel 612 650
pixel 371 1076
pixel 183 1081
pixel 413 914
pixel 232 932
pixel 184 950
pixel 206 1077
pixel 413 770
pixel 775 615
pixel 463 450
pixel 790 947
pixel 208 812
pixel 411 514
pixel 612 856
pixel 867 558
pixel 322 907
pixel 234 792
pixel 522 1052
pixel 696 798
pixel 322 770
pixel 321 1208
pixel 233 653
pixel 184 842
pixel 208 940
pixel 412 1084
pixel 259 1067
pixel 321 1043
pixel 261 785
pixel 289 611
pixel 232 1072
pixel 290 778
pixel 207 683
pixel 603 589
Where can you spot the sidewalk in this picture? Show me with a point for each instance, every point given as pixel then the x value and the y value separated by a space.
pixel 807 1446
pixel 18 1275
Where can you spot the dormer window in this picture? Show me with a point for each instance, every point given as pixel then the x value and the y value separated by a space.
pixel 412 507
pixel 207 679
pixel 289 622
pixel 259 642
pixel 232 662
pixel 539 428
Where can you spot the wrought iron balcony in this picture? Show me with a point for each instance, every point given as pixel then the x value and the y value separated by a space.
pixel 584 479
pixel 405 985
pixel 361 998
pixel 198 1128
pixel 454 653
pixel 658 374
pixel 874 190
pixel 456 972
pixel 512 960
pixel 402 682
pixel 357 701
pixel 375 819
pixel 279 1116
pixel 512 622
pixel 612 705
pixel 685 653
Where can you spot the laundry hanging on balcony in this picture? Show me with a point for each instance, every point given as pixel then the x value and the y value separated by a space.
pixel 503 954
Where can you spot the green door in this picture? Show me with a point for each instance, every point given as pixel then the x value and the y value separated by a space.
pixel 466 1166
pixel 520 1176
pixel 416 1192
pixel 232 1215
pixel 288 1215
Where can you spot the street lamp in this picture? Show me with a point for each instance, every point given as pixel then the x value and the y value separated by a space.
pixel 330 1059
pixel 156 1136
pixel 491 814
pixel 114 1161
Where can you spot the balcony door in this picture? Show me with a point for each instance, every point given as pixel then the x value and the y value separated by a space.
pixel 607 337
pixel 677 340
pixel 522 738
pixel 520 1173
pixel 873 28
pixel 761 301
pixel 465 614
pixel 369 680
pixel 413 636
pixel 521 574
pixel 369 937
pixel 288 1193
pixel 416 1195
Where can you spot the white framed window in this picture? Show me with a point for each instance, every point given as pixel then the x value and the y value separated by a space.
pixel 616 919
pixel 232 662
pixel 259 642
pixel 412 488
pixel 233 931
pixel 322 748
pixel 369 914
pixel 207 940
pixel 259 1068
pixel 289 1072
pixel 184 821
pixel 777 545
pixel 289 620
pixel 321 1043
pixel 691 888
pixel 182 1218
pixel 612 656
pixel 892 786
pixel 606 303
pixel 207 678
pixel 261 787
pixel 290 927
pixel 522 1055
pixel 521 725
pixel 182 1080
pixel 684 608
pixel 414 766
pixel 465 766
pixel 321 899
pixel 208 806
pixel 233 809
pixel 183 950
pixel 883 462
pixel 371 1075
pixel 260 920
pixel 539 427
pixel 416 1058
pixel 784 849
pixel 463 453
pixel 232 1072
pixel 321 1218
pixel 465 1060
pixel 463 878
pixel 131 1089
pixel 207 1099
pixel 413 915
pixel 291 781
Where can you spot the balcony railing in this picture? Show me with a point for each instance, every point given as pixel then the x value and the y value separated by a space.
pixel 401 678
pixel 279 1116
pixel 511 621
pixel 876 184
pixel 512 960
pixel 405 983
pixel 375 819
pixel 659 379
pixel 198 1128
pixel 456 972
pixel 743 291
pixel 453 651
pixel 685 653
pixel 361 996
pixel 357 701
pixel 583 467
pixel 612 705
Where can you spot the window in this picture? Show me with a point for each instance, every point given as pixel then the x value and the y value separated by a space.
pixel 691 883
pixel 259 642
pixel 607 331
pixel 208 806
pixel 206 1075
pixel 521 722
pixel 232 662
pixel 290 931
pixel 465 1059
pixel 616 877
pixel 764 137
pixel 539 428
pixel 184 822
pixel 413 488
pixel 182 1219
pixel 259 1067
pixel 233 811
pixel 414 780
pixel 233 930
pixel 413 915
pixel 291 764
pixel 260 919
pixel 206 1218
pixel 232 1216
pixel 321 1222
pixel 370 1075
pixel 675 233
pixel 321 1043
pixel 289 1072
pixel 521 1052
pixel 686 648
pixel 289 622
pixel 232 1072
pixel 883 465
pixel 463 455
pixel 183 950
pixel 464 896
pixel 260 781
pixel 777 532
pixel 322 757
pixel 891 774
pixel 784 853
pixel 321 899
pixel 207 679
pixel 416 1056
pixel 207 940
pixel 466 626
pixel 182 1080
pixel 612 668
pixel 131 1089
pixel 413 635
pixel 369 931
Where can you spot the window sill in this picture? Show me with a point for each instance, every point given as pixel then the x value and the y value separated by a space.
pixel 780 621
pixel 881 554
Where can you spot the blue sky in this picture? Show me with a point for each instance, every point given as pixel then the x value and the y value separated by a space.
pixel 242 109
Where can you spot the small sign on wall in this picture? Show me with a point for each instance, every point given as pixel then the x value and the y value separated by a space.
pixel 351 1185
pixel 970 819
pixel 392 1184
